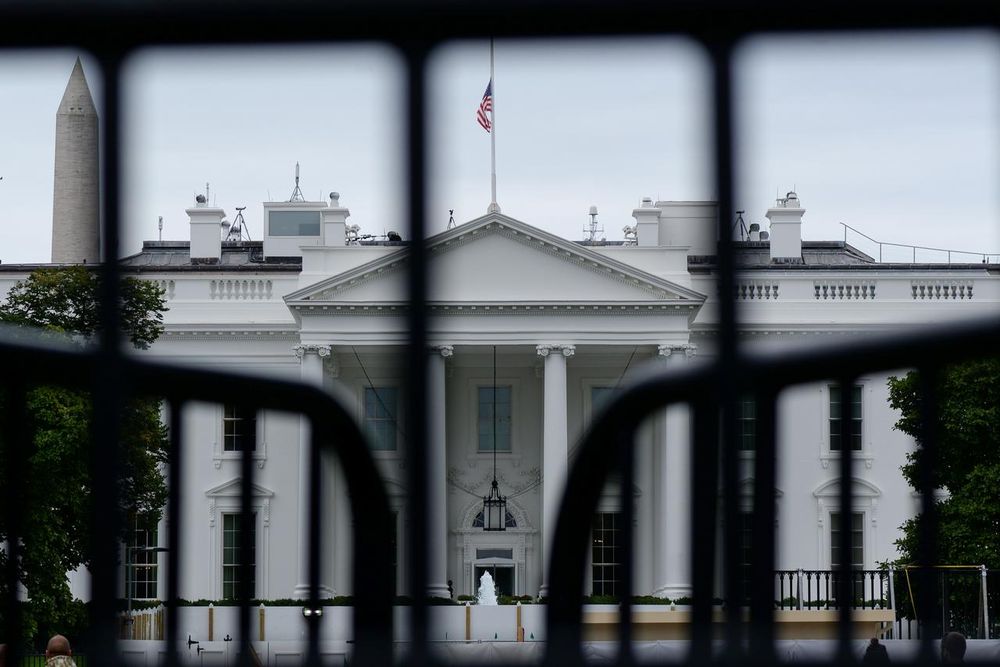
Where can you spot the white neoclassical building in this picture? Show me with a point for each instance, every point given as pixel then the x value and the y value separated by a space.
pixel 529 333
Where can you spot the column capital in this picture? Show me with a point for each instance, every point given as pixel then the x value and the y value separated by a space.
pixel 444 350
pixel 545 350
pixel 322 350
pixel 686 349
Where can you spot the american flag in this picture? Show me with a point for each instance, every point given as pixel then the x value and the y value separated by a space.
pixel 485 107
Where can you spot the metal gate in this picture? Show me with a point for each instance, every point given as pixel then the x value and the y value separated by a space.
pixel 113 30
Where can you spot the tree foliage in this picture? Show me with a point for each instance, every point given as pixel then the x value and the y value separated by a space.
pixel 965 464
pixel 57 481
pixel 966 467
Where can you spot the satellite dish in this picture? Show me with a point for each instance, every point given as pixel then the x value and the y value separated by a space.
pixel 394 236
pixel 201 199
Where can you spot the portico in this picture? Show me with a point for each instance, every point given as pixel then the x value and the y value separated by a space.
pixel 558 349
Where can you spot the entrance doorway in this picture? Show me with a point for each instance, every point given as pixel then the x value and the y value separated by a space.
pixel 503 577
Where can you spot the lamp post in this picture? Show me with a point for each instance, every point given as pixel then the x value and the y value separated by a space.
pixel 130 581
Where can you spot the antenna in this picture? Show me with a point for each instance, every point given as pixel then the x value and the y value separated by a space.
pixel 238 230
pixel 740 226
pixel 451 218
pixel 160 225
pixel 592 229
pixel 207 193
pixel 297 192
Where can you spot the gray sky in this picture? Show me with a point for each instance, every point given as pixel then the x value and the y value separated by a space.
pixel 898 138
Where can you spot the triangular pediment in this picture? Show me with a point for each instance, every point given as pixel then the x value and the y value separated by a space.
pixel 499 260
pixel 232 488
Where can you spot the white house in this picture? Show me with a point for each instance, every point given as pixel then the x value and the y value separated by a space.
pixel 560 325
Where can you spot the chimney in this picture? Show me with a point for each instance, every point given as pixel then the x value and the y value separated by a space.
pixel 786 229
pixel 690 224
pixel 647 223
pixel 206 231
pixel 335 222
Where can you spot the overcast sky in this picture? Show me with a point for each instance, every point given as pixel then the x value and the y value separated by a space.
pixel 897 137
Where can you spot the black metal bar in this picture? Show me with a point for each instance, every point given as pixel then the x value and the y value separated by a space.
pixel 844 571
pixel 626 458
pixel 704 498
pixel 107 388
pixel 174 519
pixel 247 543
pixel 762 566
pixel 315 547
pixel 16 446
pixel 416 376
pixel 927 537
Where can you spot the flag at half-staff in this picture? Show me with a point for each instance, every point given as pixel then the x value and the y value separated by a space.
pixel 486 108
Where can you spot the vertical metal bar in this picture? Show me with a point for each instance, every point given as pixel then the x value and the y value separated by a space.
pixel 248 533
pixel 762 567
pixel 108 390
pixel 843 582
pixel 315 545
pixel 16 445
pixel 704 496
pixel 727 361
pixel 174 546
pixel 927 537
pixel 416 376
pixel 626 453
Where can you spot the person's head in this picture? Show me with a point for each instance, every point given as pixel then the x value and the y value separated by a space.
pixel 953 648
pixel 58 645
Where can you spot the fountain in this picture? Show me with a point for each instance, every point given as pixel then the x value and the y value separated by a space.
pixel 487 591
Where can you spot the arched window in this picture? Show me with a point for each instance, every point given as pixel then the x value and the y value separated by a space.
pixel 509 520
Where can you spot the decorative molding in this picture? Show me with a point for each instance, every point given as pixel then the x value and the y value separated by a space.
pixel 529 478
pixel 935 290
pixel 240 289
pixel 844 290
pixel 755 290
pixel 545 349
pixel 302 349
pixel 445 351
pixel 669 349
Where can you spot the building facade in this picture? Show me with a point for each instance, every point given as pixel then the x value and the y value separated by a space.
pixel 530 334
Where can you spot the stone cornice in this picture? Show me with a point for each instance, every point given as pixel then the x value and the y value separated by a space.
pixel 376 309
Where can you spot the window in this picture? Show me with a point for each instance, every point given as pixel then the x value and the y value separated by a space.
pixel 508 520
pixel 503 418
pixel 746 419
pixel 380 417
pixel 835 408
pixel 142 560
pixel 599 397
pixel 855 547
pixel 605 552
pixel 239 429
pixel 293 223
pixel 232 559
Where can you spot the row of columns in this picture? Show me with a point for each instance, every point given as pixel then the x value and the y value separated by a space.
pixel 671 458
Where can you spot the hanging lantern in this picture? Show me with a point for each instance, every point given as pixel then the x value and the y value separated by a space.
pixel 495 509
pixel 495 505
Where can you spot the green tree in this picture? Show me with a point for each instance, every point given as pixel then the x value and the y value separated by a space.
pixel 57 482
pixel 965 464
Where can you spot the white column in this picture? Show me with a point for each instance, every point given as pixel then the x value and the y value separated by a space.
pixel 437 475
pixel 311 358
pixel 555 445
pixel 671 572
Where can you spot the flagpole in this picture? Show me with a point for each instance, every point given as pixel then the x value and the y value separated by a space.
pixel 494 207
